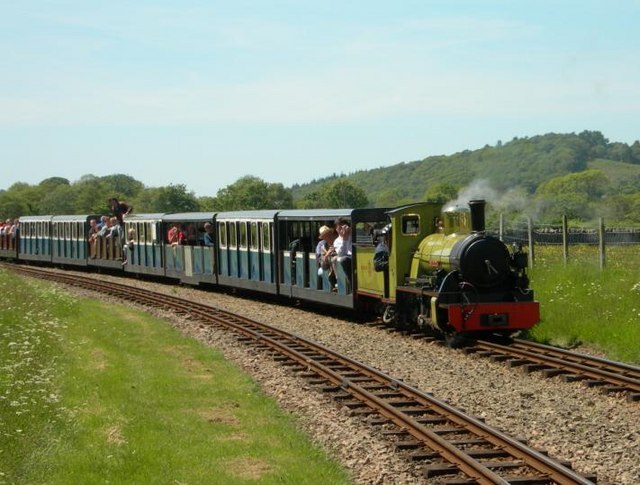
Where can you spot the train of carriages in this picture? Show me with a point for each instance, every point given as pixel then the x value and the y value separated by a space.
pixel 443 272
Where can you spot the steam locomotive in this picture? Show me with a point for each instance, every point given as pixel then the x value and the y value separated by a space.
pixel 465 282
pixel 442 272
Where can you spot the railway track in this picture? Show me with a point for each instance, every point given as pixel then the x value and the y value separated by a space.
pixel 451 445
pixel 571 366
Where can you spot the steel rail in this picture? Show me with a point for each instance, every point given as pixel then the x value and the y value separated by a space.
pixel 621 368
pixel 532 355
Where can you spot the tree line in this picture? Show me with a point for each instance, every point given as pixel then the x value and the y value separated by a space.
pixel 90 195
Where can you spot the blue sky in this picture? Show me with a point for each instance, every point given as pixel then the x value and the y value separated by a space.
pixel 202 93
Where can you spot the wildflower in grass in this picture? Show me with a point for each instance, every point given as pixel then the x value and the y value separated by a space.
pixel 28 336
pixel 636 288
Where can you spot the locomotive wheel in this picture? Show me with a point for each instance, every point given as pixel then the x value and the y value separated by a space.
pixel 389 315
pixel 455 340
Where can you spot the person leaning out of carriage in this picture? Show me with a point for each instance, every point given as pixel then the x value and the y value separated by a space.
pixel 120 209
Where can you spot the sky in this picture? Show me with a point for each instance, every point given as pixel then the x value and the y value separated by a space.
pixel 202 93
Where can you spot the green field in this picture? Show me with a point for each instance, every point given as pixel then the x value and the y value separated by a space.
pixel 580 303
pixel 92 392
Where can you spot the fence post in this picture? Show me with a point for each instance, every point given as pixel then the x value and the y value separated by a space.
pixel 565 239
pixel 530 237
pixel 501 230
pixel 602 244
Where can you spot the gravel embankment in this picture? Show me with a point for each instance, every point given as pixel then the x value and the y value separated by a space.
pixel 597 433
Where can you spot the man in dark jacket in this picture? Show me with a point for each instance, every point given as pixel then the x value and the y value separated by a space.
pixel 119 209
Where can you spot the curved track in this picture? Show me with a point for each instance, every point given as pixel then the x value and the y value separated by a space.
pixel 446 440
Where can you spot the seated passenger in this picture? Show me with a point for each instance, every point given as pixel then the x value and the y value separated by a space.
pixel 106 227
pixel 381 253
pixel 128 247
pixel 92 236
pixel 208 234
pixel 103 222
pixel 324 252
pixel 182 235
pixel 14 228
pixel 116 235
pixel 173 235
pixel 115 229
pixel 342 247
pixel 191 234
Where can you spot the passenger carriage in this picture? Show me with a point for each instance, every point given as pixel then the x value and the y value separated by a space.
pixel 246 252
pixel 297 232
pixel 191 262
pixel 144 244
pixel 35 238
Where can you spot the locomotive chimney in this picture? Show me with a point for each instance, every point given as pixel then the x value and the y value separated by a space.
pixel 477 215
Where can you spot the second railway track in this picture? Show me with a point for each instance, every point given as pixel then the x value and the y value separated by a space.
pixel 571 366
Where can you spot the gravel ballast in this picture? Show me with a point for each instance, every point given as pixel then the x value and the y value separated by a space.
pixel 596 432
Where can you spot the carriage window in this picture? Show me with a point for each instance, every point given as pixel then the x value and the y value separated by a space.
pixel 222 234
pixel 74 231
pixel 254 235
pixel 55 230
pixel 142 233
pixel 410 225
pixel 233 241
pixel 367 233
pixel 297 231
pixel 266 237
pixel 190 233
pixel 242 229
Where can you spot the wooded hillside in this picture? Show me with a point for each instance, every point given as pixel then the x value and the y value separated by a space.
pixel 580 175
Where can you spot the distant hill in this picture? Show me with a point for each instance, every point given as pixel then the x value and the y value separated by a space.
pixel 624 177
pixel 522 162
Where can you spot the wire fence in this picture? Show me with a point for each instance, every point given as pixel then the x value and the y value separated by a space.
pixel 527 233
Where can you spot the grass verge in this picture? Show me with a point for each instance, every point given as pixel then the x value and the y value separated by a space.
pixel 95 392
pixel 580 303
